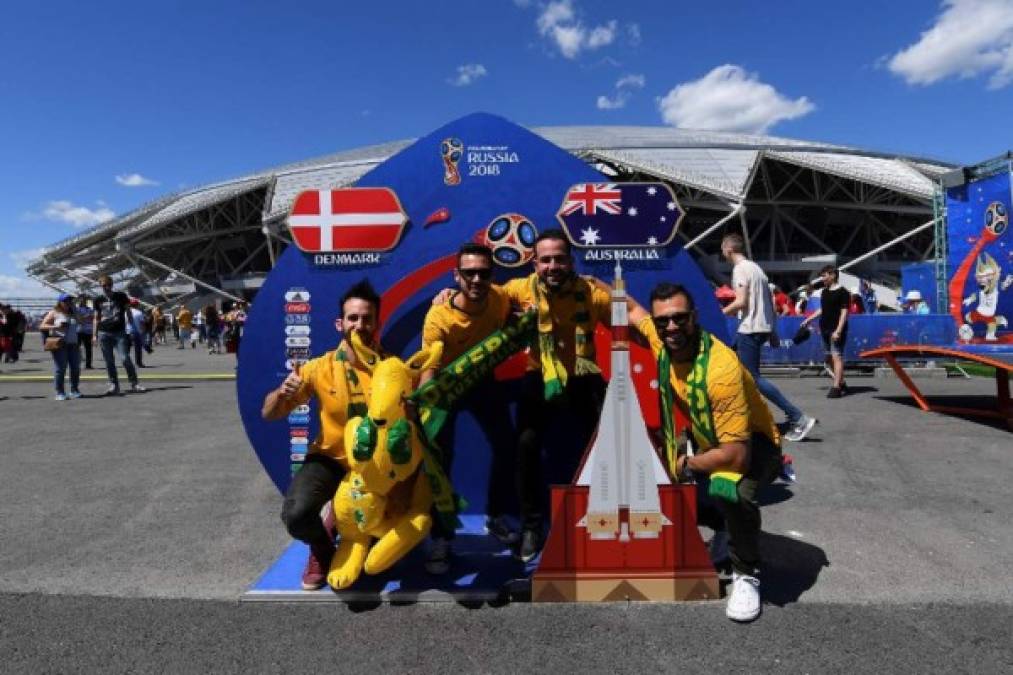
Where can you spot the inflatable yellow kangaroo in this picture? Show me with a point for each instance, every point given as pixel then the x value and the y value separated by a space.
pixel 384 496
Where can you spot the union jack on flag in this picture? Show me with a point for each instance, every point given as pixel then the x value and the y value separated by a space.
pixel 590 198
pixel 620 215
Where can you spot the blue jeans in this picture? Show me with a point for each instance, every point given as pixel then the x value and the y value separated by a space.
pixel 748 346
pixel 121 343
pixel 66 355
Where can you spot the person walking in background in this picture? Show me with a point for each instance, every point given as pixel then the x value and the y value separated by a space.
pixel 212 325
pixel 868 294
pixel 135 330
pixel 913 303
pixel 185 322
pixel 833 316
pixel 62 325
pixel 198 334
pixel 110 328
pixel 755 306
pixel 85 315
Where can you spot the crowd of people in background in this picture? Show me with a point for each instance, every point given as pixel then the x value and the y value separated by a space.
pixel 123 329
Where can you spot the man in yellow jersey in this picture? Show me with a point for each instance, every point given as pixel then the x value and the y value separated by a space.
pixel 341 385
pixel 732 430
pixel 562 379
pixel 461 321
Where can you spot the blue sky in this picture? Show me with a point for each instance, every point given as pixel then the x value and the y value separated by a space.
pixel 105 106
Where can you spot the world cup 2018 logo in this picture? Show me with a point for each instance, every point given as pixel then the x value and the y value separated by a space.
pixel 451 149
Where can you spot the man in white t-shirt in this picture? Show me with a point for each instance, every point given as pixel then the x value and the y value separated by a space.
pixel 758 322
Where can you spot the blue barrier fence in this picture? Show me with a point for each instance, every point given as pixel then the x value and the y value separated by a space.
pixel 865 331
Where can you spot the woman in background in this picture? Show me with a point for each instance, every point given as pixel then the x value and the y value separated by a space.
pixel 62 322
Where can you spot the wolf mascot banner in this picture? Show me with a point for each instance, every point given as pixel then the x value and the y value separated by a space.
pixel 981 259
pixel 480 178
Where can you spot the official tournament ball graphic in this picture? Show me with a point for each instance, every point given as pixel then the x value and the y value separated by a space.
pixel 996 218
pixel 965 333
pixel 511 237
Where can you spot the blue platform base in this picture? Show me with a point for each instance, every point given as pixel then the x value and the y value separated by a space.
pixel 482 569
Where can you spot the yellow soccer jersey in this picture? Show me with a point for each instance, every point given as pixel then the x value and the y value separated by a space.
pixel 324 377
pixel 736 404
pixel 458 330
pixel 563 309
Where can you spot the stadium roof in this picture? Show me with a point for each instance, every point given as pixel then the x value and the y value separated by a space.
pixel 716 169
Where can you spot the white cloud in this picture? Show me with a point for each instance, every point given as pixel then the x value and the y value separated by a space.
pixel 602 35
pixel 134 180
pixel 467 74
pixel 729 99
pixel 633 34
pixel 970 37
pixel 22 258
pixel 63 211
pixel 558 22
pixel 624 86
pixel 631 81
pixel 22 287
pixel 614 103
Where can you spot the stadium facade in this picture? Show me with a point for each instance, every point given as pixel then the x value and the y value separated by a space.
pixel 798 203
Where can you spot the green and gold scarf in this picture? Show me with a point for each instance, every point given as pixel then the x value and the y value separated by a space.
pixel 554 373
pixel 723 484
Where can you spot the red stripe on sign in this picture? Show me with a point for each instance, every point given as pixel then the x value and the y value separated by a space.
pixel 307 203
pixel 365 237
pixel 363 200
pixel 306 238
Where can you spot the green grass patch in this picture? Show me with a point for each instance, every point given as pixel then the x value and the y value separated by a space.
pixel 971 368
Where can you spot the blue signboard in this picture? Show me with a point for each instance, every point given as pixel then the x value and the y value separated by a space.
pixel 980 298
pixel 480 178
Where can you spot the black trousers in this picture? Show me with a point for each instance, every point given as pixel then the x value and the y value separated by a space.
pixel 84 341
pixel 742 520
pixel 312 486
pixel 569 420
pixel 489 406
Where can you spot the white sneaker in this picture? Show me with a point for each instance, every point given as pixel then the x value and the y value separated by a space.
pixel 744 598
pixel 439 557
pixel 801 429
pixel 719 547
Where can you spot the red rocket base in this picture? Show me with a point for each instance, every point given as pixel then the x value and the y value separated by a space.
pixel 577 568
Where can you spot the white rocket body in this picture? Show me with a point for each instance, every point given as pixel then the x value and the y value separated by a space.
pixel 622 470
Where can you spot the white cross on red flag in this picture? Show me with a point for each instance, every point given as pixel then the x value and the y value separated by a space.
pixel 349 219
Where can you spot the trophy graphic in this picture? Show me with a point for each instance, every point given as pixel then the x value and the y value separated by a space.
pixel 451 149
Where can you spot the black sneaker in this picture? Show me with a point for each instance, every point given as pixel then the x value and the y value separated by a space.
pixel 835 392
pixel 531 545
pixel 499 528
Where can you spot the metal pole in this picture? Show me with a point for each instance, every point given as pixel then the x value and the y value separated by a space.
pixel 736 210
pixel 923 226
pixel 189 278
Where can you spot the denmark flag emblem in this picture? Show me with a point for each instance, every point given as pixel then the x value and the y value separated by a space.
pixel 350 219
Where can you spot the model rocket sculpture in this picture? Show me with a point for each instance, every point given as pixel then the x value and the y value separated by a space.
pixel 622 469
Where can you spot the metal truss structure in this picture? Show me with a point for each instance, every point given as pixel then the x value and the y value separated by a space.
pixel 799 204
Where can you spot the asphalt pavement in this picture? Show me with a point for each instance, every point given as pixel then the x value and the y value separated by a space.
pixel 131 526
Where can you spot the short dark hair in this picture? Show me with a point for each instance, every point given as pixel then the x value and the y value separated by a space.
pixel 471 248
pixel 735 242
pixel 829 269
pixel 666 290
pixel 361 291
pixel 554 233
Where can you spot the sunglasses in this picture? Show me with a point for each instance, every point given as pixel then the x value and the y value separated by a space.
pixel 483 273
pixel 679 318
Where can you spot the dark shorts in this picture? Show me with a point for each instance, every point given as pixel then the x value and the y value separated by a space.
pixel 832 347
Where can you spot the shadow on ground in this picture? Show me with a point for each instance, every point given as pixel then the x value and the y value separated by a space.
pixel 974 402
pixel 790 567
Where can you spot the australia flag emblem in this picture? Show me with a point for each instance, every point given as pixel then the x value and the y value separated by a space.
pixel 620 215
